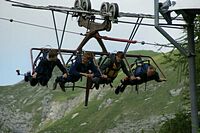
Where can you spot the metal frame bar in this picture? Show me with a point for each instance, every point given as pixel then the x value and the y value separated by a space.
pixel 74 52
pixel 190 54
pixel 163 32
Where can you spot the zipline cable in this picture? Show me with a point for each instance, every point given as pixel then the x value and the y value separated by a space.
pixel 40 26
pixel 72 32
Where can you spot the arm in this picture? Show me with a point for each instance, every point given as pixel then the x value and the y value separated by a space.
pixel 39 68
pixel 158 79
pixel 73 68
pixel 95 70
pixel 62 68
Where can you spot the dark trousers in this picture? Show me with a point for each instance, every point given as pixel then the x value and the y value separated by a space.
pixel 99 80
pixel 70 78
pixel 43 80
pixel 127 82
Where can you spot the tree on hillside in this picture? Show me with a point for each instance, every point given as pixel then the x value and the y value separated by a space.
pixel 180 62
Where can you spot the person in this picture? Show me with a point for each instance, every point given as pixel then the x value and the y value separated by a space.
pixel 83 66
pixel 43 71
pixel 142 74
pixel 110 69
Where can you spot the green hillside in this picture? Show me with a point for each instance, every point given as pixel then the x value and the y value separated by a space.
pixel 54 111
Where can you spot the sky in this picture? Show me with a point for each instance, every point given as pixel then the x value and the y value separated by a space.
pixel 17 39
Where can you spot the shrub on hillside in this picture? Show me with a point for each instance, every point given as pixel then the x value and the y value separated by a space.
pixel 181 123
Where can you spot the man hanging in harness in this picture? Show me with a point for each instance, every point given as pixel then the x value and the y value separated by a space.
pixel 110 69
pixel 142 74
pixel 43 71
pixel 82 67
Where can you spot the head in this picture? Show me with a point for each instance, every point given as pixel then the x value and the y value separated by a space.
pixel 52 55
pixel 151 71
pixel 119 56
pixel 86 57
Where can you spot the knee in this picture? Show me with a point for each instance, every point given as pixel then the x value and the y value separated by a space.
pixel 43 83
pixel 125 82
pixel 33 82
pixel 59 79
pixel 96 80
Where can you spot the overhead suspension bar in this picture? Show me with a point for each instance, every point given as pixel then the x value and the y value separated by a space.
pixel 134 31
pixel 116 39
pixel 57 38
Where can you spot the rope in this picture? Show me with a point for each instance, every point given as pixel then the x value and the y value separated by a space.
pixel 157 44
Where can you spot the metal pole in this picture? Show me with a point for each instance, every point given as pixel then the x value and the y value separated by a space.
pixel 189 18
pixel 192 76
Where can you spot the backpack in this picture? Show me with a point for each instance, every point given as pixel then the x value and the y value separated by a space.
pixel 139 70
pixel 112 70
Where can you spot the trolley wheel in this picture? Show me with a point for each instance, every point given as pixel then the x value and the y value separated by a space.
pixel 77 4
pixel 86 5
pixel 114 10
pixel 104 8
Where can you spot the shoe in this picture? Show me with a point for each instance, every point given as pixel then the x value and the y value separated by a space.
pixel 122 88
pixel 55 85
pixel 117 90
pixel 27 76
pixel 62 86
pixel 96 86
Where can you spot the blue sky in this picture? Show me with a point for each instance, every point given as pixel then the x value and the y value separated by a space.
pixel 16 39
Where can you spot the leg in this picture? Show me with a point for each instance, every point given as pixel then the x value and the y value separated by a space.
pixel 33 81
pixel 61 82
pixel 96 81
pixel 43 80
pixel 122 86
pixel 128 82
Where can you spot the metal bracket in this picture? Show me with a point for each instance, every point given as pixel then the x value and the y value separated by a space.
pixel 164 33
pixel 94 29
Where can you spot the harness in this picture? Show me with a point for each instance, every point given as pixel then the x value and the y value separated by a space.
pixel 141 67
pixel 112 71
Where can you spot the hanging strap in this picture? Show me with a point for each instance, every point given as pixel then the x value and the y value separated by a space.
pixel 145 86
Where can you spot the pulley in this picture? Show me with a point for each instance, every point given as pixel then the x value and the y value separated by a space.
pixel 114 10
pixel 82 4
pixel 77 4
pixel 86 5
pixel 104 8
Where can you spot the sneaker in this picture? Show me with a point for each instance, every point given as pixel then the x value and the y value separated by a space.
pixel 27 76
pixel 55 85
pixel 96 86
pixel 117 90
pixel 122 88
pixel 62 86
